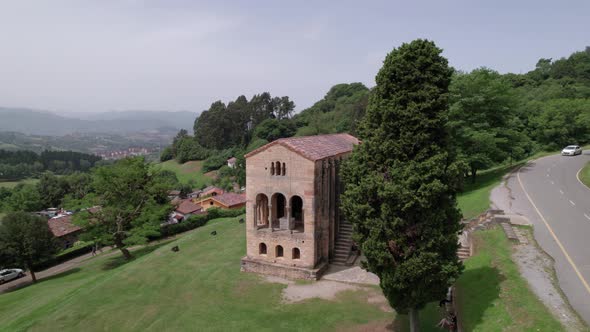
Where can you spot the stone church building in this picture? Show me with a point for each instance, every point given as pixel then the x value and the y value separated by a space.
pixel 294 227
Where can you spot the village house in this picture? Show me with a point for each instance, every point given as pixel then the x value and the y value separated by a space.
pixel 294 227
pixel 231 162
pixel 224 201
pixel 64 230
pixel 185 209
pixel 211 191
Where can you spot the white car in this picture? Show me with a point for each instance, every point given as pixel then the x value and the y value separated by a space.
pixel 571 150
pixel 10 274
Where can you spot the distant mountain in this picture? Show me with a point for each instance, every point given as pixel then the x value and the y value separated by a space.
pixel 40 122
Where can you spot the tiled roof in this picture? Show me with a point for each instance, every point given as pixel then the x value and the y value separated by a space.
pixel 187 206
pixel 314 147
pixel 230 199
pixel 61 226
pixel 211 189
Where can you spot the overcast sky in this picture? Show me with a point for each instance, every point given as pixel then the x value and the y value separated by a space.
pixel 90 56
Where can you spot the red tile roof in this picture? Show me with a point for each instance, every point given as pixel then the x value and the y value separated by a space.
pixel 230 199
pixel 63 225
pixel 187 206
pixel 210 190
pixel 314 147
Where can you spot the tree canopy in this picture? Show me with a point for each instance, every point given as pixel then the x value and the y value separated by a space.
pixel 26 240
pixel 133 200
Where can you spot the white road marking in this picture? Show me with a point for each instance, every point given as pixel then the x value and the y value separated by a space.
pixel 587 216
pixel 552 182
pixel 567 256
pixel 572 203
pixel 561 191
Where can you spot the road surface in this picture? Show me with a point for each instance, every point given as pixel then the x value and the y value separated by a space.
pixel 548 192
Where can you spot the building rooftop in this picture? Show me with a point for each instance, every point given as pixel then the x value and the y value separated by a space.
pixel 314 147
pixel 230 199
pixel 62 225
pixel 187 206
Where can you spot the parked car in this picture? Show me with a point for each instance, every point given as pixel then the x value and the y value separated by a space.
pixel 10 274
pixel 571 150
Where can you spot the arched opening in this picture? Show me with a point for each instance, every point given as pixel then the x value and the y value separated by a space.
pixel 284 169
pixel 279 202
pixel 261 211
pixel 279 251
pixel 297 213
pixel 278 168
pixel 262 249
pixel 296 254
pixel 272 168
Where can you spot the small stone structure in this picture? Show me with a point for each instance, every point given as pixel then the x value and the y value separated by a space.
pixel 293 225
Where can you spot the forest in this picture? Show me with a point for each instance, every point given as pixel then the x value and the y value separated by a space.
pixel 15 165
pixel 494 118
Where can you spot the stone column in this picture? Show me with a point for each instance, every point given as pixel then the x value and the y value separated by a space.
pixel 270 215
pixel 255 216
pixel 288 208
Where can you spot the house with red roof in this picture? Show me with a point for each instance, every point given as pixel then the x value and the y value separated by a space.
pixel 185 209
pixel 64 230
pixel 224 201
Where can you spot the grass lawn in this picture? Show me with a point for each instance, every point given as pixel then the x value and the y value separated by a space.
pixel 199 288
pixel 493 296
pixel 12 184
pixel 187 173
pixel 585 175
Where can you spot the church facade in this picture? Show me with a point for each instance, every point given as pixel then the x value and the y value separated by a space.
pixel 293 225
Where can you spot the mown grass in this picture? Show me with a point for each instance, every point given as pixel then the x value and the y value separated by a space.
pixel 12 184
pixel 493 296
pixel 199 288
pixel 585 175
pixel 188 173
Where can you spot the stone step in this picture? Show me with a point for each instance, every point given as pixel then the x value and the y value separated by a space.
pixel 343 244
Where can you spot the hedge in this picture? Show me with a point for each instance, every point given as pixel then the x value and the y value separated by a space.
pixel 58 259
pixel 198 220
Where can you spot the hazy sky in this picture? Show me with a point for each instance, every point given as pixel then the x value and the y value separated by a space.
pixel 89 56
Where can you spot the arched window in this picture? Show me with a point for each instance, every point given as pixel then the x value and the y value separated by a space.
pixel 272 168
pixel 296 253
pixel 262 249
pixel 297 213
pixel 284 169
pixel 278 168
pixel 279 251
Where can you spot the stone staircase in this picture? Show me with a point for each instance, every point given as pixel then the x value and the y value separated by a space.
pixel 343 245
pixel 463 253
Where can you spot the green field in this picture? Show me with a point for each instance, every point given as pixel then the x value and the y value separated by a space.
pixel 12 184
pixel 199 288
pixel 585 175
pixel 493 296
pixel 188 173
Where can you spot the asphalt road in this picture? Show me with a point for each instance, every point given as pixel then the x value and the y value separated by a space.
pixel 548 192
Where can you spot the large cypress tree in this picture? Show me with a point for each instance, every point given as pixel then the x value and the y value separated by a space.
pixel 402 180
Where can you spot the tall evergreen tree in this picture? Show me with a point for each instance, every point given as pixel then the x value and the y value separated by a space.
pixel 401 182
